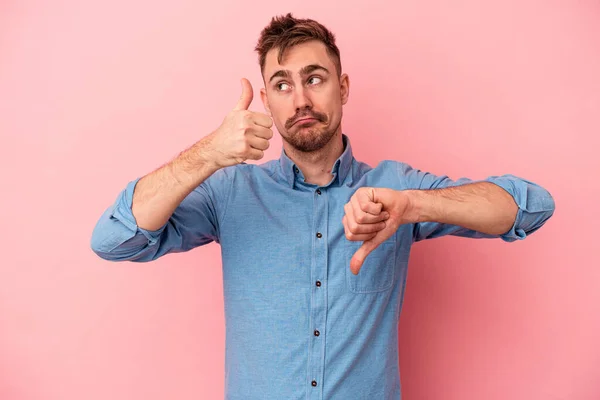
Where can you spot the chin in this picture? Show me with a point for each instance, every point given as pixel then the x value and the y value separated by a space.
pixel 309 139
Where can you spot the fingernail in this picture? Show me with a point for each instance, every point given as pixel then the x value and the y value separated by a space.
pixel 386 215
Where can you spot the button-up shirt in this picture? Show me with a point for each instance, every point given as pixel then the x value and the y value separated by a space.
pixel 299 324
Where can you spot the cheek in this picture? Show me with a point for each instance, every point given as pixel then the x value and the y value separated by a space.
pixel 279 109
pixel 280 125
pixel 335 108
pixel 278 121
pixel 333 102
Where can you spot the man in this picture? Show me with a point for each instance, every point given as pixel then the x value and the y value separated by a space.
pixel 315 245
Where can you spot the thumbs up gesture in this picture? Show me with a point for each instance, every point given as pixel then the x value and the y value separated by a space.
pixel 243 135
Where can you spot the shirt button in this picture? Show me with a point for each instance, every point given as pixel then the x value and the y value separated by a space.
pixel 296 170
pixel 319 235
pixel 314 383
pixel 318 283
pixel 319 192
pixel 317 333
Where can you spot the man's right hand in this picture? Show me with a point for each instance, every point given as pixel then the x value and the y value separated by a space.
pixel 243 134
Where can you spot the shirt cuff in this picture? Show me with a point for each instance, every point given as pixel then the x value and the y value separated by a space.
pixel 122 212
pixel 535 205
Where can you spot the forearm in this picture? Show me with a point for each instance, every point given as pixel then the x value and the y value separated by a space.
pixel 483 207
pixel 158 194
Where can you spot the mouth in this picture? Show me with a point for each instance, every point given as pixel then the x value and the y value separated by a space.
pixel 305 120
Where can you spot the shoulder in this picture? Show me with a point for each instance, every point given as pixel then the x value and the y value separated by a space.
pixel 400 167
pixel 404 171
pixel 388 167
pixel 391 173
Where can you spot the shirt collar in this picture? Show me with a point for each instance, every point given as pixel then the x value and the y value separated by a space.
pixel 341 167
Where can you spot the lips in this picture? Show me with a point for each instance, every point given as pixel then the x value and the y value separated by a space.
pixel 306 119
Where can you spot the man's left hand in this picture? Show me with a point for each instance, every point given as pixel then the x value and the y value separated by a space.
pixel 373 215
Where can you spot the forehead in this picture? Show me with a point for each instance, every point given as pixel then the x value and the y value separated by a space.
pixel 301 55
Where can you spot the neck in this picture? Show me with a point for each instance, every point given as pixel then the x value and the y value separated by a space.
pixel 316 166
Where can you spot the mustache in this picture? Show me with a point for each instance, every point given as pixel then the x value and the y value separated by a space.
pixel 303 114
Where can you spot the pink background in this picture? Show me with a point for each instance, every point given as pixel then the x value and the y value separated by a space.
pixel 93 94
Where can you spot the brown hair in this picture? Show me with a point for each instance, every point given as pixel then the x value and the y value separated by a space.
pixel 285 31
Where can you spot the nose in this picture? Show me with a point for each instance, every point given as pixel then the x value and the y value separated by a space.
pixel 301 99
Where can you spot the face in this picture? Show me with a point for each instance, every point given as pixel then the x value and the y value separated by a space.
pixel 304 95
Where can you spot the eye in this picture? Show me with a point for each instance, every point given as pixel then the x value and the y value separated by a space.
pixel 314 80
pixel 282 86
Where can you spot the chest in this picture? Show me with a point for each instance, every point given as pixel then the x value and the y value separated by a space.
pixel 279 240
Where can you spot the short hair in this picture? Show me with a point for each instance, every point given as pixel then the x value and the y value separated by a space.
pixel 286 31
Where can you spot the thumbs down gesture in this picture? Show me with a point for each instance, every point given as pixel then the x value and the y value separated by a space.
pixel 372 216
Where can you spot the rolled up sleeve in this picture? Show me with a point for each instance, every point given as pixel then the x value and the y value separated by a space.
pixel 195 222
pixel 535 204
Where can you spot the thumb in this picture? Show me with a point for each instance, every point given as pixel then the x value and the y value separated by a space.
pixel 246 97
pixel 361 254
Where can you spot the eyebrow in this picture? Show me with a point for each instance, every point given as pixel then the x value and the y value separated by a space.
pixel 284 73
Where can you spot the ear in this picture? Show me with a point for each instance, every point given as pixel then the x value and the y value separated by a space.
pixel 263 97
pixel 344 87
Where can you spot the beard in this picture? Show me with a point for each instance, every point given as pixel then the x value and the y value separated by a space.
pixel 312 136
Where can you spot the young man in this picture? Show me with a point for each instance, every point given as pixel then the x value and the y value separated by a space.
pixel 315 245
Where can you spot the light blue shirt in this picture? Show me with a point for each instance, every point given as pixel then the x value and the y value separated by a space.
pixel 299 324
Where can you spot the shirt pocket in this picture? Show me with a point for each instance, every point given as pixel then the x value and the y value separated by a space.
pixel 377 272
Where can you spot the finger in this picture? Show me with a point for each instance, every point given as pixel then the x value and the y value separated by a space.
pixel 360 238
pixel 258 143
pixel 371 208
pixel 361 217
pixel 356 237
pixel 255 154
pixel 365 218
pixel 262 132
pixel 359 229
pixel 246 97
pixel 361 254
pixel 366 203
pixel 262 120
